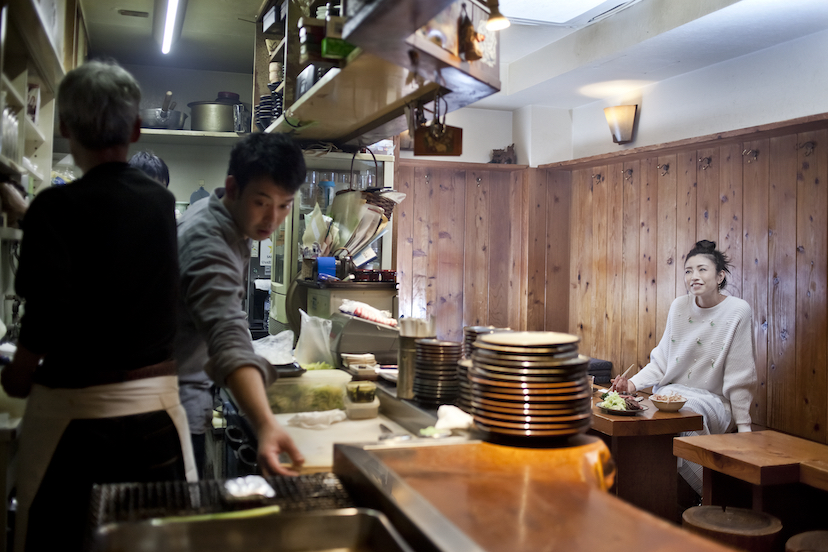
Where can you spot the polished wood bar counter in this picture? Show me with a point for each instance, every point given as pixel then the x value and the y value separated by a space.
pixel 479 496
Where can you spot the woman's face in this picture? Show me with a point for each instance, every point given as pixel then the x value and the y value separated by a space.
pixel 700 276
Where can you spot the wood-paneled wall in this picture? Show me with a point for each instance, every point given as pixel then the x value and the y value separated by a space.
pixel 765 202
pixel 597 247
pixel 472 246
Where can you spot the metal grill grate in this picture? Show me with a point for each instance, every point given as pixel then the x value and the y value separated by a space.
pixel 125 502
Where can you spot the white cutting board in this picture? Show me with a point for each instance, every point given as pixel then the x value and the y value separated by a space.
pixel 317 444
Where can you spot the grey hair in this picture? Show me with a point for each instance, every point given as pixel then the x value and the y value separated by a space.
pixel 98 103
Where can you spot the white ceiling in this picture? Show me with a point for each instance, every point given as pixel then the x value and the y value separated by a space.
pixel 562 66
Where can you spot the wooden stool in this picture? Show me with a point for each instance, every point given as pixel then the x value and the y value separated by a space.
pixel 737 527
pixel 810 541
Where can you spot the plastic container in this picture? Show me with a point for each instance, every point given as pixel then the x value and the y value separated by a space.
pixel 313 391
pixel 361 391
pixel 361 410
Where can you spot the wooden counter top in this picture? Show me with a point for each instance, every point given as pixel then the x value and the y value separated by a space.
pixel 510 499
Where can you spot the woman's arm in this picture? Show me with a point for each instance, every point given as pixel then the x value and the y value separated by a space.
pixel 739 379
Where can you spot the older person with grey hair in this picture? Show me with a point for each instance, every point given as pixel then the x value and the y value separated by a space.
pixel 97 368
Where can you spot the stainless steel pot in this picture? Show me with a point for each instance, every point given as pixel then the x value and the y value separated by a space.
pixel 159 118
pixel 212 116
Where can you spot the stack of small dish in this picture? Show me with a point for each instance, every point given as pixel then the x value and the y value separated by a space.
pixel 435 374
pixel 530 384
pixel 464 399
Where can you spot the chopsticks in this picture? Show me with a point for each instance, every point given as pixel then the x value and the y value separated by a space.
pixel 627 371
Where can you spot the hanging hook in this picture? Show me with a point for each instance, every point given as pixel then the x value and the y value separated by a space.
pixel 627 174
pixel 751 154
pixel 705 163
pixel 808 147
pixel 665 168
pixel 598 177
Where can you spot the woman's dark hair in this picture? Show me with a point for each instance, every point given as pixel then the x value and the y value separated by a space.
pixel 273 155
pixel 152 165
pixel 708 249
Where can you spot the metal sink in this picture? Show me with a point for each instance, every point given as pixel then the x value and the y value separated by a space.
pixel 349 529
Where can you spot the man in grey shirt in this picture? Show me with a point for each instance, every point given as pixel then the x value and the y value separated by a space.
pixel 213 343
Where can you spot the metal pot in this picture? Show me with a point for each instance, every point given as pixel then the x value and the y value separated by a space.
pixel 212 116
pixel 158 118
pixel 164 118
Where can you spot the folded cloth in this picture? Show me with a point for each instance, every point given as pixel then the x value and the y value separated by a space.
pixel 317 420
pixel 451 417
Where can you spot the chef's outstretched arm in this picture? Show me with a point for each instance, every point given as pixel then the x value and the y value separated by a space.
pixel 248 389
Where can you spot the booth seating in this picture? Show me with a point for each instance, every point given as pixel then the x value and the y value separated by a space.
pixel 736 527
pixel 601 369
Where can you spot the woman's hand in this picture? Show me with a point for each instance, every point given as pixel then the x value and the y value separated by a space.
pixel 623 385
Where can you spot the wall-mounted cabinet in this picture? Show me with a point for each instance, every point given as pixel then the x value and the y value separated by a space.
pixel 395 65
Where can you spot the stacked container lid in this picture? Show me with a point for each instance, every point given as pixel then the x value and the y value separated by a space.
pixel 435 375
pixel 529 384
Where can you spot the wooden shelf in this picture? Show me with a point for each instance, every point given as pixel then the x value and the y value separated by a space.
pixel 13 96
pixel 189 137
pixel 346 103
pixel 35 174
pixel 34 137
pixel 25 15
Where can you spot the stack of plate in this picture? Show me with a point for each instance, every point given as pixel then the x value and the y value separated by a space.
pixel 530 384
pixel 470 334
pixel 435 374
pixel 464 400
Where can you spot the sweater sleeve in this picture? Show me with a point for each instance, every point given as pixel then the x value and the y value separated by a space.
pixel 654 371
pixel 740 369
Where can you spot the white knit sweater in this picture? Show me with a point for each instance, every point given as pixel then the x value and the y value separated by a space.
pixel 711 349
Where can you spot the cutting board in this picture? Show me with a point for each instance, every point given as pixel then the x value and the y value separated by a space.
pixel 317 444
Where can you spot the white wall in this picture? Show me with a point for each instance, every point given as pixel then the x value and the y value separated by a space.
pixel 483 131
pixel 776 84
pixel 542 134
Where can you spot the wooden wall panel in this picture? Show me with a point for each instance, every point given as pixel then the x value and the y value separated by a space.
pixel 422 243
pixel 755 226
pixel 686 163
pixel 782 329
pixel 647 254
pixel 707 198
pixel 536 232
pixel 515 253
pixel 811 274
pixel 583 260
pixel 500 240
pixel 630 261
pixel 598 320
pixel 403 218
pixel 476 283
pixel 615 262
pixel 730 214
pixel 559 199
pixel 450 259
pixel 666 264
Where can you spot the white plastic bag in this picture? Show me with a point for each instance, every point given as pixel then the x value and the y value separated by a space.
pixel 314 343
pixel 277 349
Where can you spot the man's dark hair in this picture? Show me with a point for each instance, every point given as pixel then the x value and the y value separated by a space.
pixel 152 165
pixel 271 155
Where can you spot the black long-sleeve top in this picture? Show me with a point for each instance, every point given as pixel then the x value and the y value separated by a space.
pixel 99 274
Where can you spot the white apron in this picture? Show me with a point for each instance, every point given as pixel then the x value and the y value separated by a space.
pixel 49 411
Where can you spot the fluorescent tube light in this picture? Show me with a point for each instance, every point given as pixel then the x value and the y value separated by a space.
pixel 169 26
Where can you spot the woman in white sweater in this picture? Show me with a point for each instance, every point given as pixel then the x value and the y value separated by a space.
pixel 707 352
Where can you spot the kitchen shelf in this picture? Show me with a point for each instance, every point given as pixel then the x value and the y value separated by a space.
pixel 29 168
pixel 9 167
pixel 13 96
pixel 10 233
pixel 34 137
pixel 346 103
pixel 189 137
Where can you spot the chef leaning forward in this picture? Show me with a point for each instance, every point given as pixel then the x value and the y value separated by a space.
pixel 103 404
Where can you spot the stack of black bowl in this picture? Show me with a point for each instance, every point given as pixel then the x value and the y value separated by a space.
pixel 529 384
pixel 435 374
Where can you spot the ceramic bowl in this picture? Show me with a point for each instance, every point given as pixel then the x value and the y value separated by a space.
pixel 671 406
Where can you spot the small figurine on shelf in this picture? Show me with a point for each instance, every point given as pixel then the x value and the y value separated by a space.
pixel 506 156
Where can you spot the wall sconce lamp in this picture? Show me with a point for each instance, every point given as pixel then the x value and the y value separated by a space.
pixel 167 22
pixel 621 120
pixel 497 21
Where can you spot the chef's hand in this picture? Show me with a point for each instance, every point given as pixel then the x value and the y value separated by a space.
pixel 17 378
pixel 247 386
pixel 623 386
pixel 274 440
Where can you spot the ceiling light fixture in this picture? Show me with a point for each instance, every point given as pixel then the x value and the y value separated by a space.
pixel 497 21
pixel 168 20
pixel 621 120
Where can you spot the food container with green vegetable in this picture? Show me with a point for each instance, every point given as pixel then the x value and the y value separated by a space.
pixel 361 391
pixel 314 391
